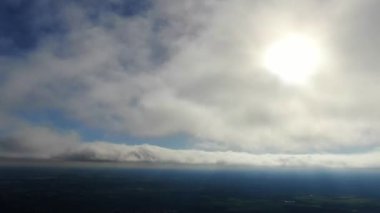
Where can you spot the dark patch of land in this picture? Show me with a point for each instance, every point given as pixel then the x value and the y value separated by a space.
pixel 108 189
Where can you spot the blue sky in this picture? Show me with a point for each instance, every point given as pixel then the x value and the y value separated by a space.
pixel 25 23
pixel 191 81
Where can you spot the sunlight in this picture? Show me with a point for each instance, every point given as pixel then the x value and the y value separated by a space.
pixel 294 59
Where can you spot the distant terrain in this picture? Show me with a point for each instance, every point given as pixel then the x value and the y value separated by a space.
pixel 127 189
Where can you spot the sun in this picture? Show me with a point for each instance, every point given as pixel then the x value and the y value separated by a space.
pixel 294 59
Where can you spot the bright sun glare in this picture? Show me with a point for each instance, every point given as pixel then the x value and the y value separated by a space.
pixel 294 59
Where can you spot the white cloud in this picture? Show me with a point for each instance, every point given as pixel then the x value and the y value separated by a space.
pixel 194 67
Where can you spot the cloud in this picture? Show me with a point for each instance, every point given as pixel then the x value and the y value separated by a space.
pixel 102 151
pixel 45 143
pixel 194 68
pixel 37 142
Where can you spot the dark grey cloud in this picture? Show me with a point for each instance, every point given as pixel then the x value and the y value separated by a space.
pixel 37 142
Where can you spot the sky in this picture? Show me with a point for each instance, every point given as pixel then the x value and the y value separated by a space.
pixel 186 81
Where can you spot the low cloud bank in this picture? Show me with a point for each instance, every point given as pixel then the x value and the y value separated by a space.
pixel 45 143
pixel 102 151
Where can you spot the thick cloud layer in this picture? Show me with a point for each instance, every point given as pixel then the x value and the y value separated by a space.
pixel 154 154
pixel 105 151
pixel 195 68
